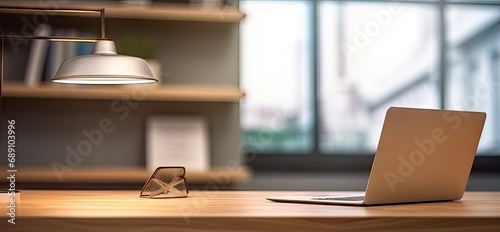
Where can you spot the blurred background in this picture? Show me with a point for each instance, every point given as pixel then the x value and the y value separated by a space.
pixel 317 75
pixel 321 74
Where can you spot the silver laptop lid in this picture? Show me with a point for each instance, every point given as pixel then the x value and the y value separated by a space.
pixel 424 155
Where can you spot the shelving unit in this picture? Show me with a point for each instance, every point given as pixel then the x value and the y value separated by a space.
pixel 147 93
pixel 156 12
pixel 124 175
pixel 197 47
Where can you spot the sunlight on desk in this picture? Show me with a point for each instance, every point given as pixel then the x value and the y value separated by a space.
pixel 233 210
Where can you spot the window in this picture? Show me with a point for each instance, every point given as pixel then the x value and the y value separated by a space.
pixel 473 83
pixel 276 70
pixel 319 75
pixel 372 56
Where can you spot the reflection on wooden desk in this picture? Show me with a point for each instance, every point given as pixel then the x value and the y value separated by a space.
pixel 237 210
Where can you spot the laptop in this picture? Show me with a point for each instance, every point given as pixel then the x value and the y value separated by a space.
pixel 423 155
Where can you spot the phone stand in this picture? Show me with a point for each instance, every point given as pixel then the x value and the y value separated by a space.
pixel 166 182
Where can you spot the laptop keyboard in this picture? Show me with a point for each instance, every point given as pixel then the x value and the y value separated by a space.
pixel 354 198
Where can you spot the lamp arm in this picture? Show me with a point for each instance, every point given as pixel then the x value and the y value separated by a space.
pixel 55 38
pixel 49 38
pixel 104 60
pixel 1 81
pixel 101 11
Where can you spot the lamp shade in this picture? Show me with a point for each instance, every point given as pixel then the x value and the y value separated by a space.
pixel 104 66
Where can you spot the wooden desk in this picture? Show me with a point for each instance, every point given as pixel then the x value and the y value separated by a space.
pixel 241 211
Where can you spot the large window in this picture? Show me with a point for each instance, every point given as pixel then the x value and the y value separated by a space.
pixel 319 75
pixel 473 83
pixel 372 56
pixel 276 72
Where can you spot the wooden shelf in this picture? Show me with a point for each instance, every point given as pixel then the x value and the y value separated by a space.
pixel 123 175
pixel 155 12
pixel 143 92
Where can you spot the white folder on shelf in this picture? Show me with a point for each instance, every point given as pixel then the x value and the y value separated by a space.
pixel 177 141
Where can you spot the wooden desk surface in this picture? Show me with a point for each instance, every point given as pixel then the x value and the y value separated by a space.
pixel 238 210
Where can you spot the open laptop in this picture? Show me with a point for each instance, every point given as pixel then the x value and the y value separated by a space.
pixel 423 155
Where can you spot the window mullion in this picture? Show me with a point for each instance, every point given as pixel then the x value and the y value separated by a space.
pixel 315 66
pixel 442 63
